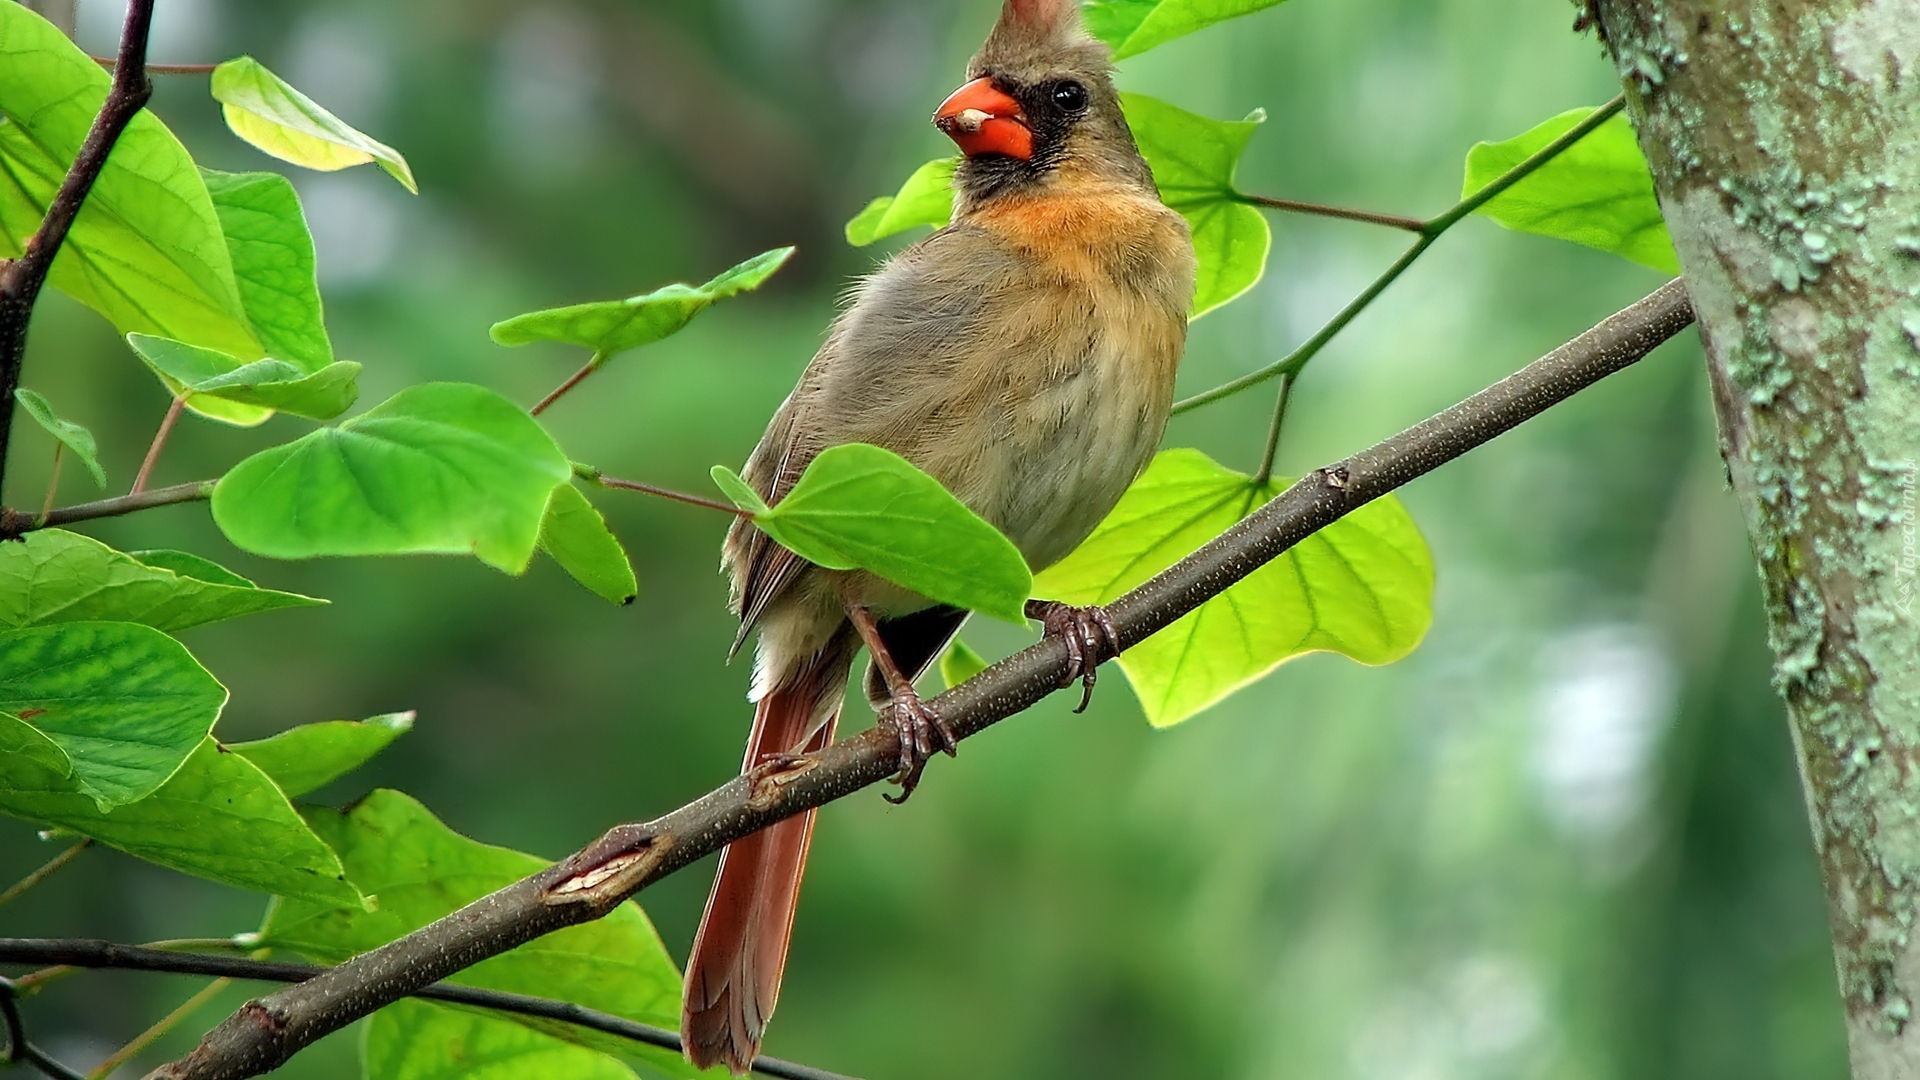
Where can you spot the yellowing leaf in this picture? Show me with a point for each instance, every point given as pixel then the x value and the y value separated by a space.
pixel 264 110
pixel 1362 587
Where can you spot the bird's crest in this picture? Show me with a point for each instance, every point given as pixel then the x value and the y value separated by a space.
pixel 1027 27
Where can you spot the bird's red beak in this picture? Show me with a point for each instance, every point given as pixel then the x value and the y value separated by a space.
pixel 983 120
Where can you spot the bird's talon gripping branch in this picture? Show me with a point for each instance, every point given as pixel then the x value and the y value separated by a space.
pixel 1088 635
pixel 922 734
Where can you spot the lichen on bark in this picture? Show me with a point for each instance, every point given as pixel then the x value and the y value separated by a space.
pixel 1784 137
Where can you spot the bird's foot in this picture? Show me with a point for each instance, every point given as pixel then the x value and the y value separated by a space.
pixel 922 734
pixel 1087 633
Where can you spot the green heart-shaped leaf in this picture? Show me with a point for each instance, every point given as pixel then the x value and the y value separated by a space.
pixel 125 702
pixel 1597 192
pixel 1132 27
pixel 419 1040
pixel 224 388
pixel 1362 587
pixel 1193 160
pixel 860 506
pixel 444 468
pixel 54 576
pixel 273 264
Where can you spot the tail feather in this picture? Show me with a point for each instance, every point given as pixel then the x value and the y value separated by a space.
pixel 740 952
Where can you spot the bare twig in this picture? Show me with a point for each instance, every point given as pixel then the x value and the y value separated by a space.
pixel 596 880
pixel 52 867
pixel 84 953
pixel 18 1048
pixel 159 442
pixel 22 279
pixel 14 524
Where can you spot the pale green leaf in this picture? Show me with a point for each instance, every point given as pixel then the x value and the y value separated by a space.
pixel 443 468
pixel 146 250
pixel 925 199
pixel 1132 27
pixel 125 702
pixel 70 435
pixel 224 388
pixel 960 663
pixel 1193 160
pixel 311 756
pixel 54 576
pixel 273 264
pixel 218 817
pixel 577 537
pixel 419 1040
pixel 614 326
pixel 278 120
pixel 419 870
pixel 862 506
pixel 1362 586
pixel 1597 192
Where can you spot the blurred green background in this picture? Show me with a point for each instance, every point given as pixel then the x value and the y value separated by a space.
pixel 1563 839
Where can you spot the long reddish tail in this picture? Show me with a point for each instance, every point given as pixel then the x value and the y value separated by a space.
pixel 733 974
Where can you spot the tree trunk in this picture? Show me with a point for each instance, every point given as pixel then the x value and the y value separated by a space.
pixel 1784 137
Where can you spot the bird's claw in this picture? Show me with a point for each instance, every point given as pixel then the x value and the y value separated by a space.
pixel 1087 633
pixel 922 734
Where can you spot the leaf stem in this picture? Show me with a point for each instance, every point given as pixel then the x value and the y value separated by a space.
pixel 14 524
pixel 1429 231
pixel 53 482
pixel 1391 221
pixel 593 364
pixel 52 867
pixel 594 476
pixel 161 69
pixel 161 1027
pixel 1273 432
pixel 21 279
pixel 159 441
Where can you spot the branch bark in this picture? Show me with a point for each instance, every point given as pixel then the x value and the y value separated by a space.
pixel 22 278
pixel 1786 156
pixel 592 882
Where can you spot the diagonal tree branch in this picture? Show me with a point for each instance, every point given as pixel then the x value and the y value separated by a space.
pixel 22 278
pixel 87 953
pixel 594 881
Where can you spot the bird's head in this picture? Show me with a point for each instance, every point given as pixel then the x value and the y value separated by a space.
pixel 1039 104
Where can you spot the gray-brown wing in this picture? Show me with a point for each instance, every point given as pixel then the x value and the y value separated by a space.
pixel 887 364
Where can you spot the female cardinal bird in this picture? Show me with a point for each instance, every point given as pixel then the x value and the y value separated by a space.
pixel 1024 357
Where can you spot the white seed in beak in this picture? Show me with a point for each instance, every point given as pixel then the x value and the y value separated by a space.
pixel 969 120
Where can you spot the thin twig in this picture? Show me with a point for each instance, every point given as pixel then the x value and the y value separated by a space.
pixel 594 476
pixel 52 867
pixel 22 278
pixel 86 953
pixel 1392 221
pixel 1430 231
pixel 14 524
pixel 1265 472
pixel 159 441
pixel 592 365
pixel 160 1027
pixel 162 69
pixel 595 881
pixel 18 1048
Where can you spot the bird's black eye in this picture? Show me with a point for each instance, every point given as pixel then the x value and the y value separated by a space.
pixel 1070 96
